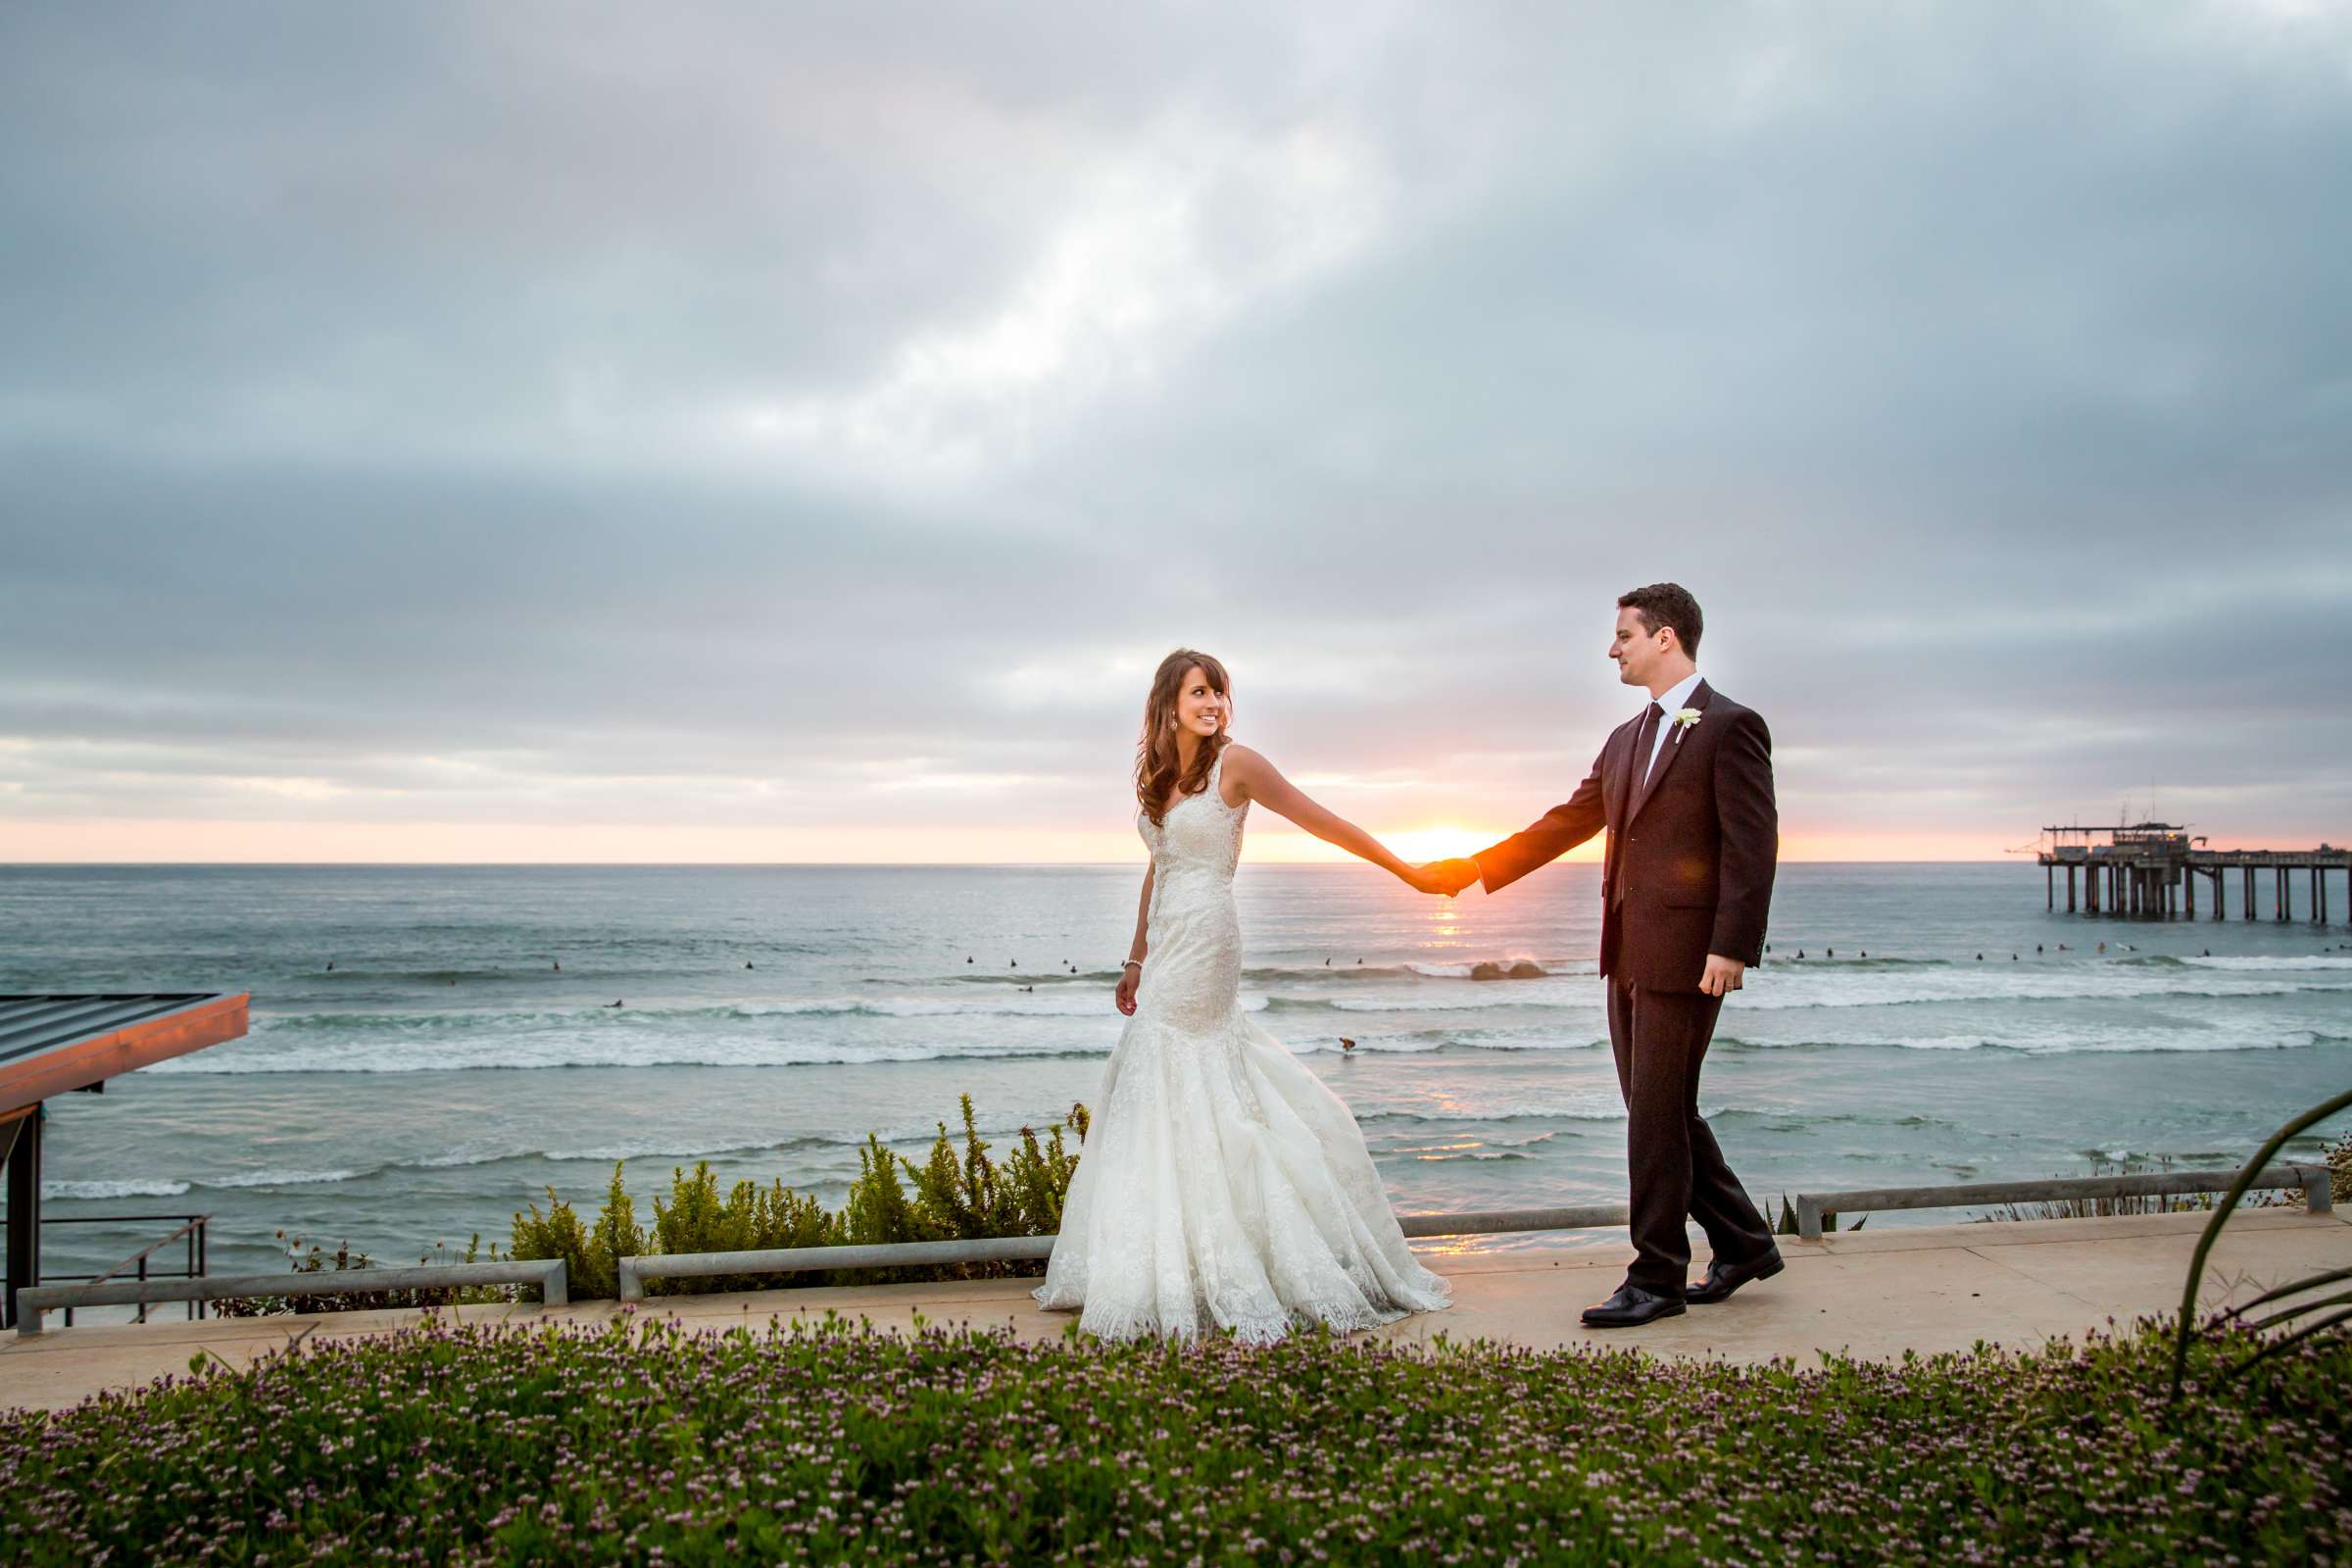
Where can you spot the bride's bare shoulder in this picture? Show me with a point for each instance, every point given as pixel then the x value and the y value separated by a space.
pixel 1240 772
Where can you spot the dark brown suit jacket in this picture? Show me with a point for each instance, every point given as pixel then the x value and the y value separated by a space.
pixel 1691 857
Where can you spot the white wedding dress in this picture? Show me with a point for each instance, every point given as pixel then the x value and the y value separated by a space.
pixel 1221 1185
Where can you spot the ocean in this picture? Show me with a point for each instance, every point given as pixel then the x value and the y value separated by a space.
pixel 461 1057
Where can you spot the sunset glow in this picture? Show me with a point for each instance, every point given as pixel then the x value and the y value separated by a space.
pixel 1443 842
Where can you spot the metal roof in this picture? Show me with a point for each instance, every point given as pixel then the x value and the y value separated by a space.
pixel 53 1044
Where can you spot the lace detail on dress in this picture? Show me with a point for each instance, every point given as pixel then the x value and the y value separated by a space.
pixel 1222 1185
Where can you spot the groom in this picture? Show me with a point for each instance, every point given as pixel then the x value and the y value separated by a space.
pixel 1685 789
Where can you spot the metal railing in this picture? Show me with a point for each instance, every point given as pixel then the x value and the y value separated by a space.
pixel 635 1271
pixel 548 1274
pixel 2313 1180
pixel 193 1229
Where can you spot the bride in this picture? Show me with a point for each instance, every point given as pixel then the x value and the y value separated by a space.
pixel 1222 1185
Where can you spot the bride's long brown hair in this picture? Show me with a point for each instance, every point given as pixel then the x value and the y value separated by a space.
pixel 1156 753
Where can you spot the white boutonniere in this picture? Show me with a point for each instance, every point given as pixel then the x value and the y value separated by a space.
pixel 1685 718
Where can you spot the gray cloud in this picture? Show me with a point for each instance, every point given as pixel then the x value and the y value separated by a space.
pixel 748 416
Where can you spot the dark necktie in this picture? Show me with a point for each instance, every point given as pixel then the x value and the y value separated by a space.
pixel 1644 735
pixel 1644 744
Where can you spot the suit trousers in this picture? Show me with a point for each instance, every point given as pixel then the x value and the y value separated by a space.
pixel 1659 1039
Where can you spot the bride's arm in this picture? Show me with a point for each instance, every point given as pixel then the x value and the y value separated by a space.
pixel 1262 781
pixel 1132 974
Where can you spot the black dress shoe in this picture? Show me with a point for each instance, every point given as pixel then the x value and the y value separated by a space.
pixel 1724 1278
pixel 1630 1306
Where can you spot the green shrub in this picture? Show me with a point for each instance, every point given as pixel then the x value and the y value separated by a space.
pixel 750 1218
pixel 643 1442
pixel 877 1209
pixel 617 1234
pixel 591 1257
pixel 956 1196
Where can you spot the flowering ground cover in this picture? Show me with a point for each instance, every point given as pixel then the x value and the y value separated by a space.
pixel 472 1445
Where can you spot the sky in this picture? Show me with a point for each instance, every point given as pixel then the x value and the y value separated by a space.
pixel 747 433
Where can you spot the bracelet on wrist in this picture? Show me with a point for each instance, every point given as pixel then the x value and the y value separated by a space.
pixel 1132 963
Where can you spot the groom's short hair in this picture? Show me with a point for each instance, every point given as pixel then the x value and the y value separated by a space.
pixel 1667 603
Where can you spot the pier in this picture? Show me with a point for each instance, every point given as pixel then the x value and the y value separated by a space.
pixel 2150 870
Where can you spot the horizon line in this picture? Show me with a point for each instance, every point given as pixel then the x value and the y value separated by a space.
pixel 786 866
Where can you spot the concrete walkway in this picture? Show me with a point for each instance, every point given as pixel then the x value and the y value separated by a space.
pixel 1874 1293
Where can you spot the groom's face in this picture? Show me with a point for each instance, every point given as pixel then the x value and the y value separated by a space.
pixel 1637 648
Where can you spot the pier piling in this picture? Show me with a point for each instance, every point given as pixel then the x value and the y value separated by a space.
pixel 2149 870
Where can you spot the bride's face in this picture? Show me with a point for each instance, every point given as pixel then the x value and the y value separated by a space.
pixel 1199 707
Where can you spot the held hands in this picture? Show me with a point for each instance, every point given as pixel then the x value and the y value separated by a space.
pixel 1445 877
pixel 1723 975
pixel 1129 978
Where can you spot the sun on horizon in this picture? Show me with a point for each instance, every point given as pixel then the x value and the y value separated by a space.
pixel 1443 841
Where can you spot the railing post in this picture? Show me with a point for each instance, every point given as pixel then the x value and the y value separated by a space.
pixel 632 1288
pixel 22 1141
pixel 1808 1217
pixel 2318 1190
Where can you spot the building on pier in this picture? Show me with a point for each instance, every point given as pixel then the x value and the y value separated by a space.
pixel 2150 872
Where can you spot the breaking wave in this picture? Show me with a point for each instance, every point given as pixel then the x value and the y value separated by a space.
pixel 123 1189
pixel 525 1056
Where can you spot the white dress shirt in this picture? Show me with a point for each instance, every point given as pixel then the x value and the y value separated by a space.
pixel 1671 702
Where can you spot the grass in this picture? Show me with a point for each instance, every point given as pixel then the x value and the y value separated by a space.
pixel 2106 1207
pixel 646 1443
pixel 2337 1156
pixel 313 1259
